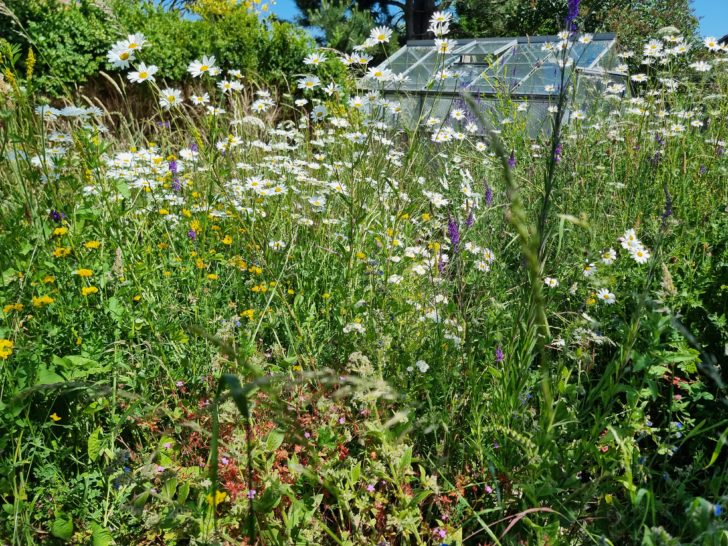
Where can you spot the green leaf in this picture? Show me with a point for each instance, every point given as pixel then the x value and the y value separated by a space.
pixel 100 536
pixel 274 440
pixel 47 377
pixel 93 446
pixel 62 526
pixel 718 447
pixel 269 500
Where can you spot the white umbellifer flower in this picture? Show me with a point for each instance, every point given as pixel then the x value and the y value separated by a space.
pixel 315 59
pixel 639 254
pixel 201 66
pixel 551 282
pixel 609 256
pixel 142 73
pixel 422 366
pixel 309 82
pixel 277 245
pixel 381 35
pixel 170 98
pixel 606 296
pixel 589 269
pixel 354 327
pixel 394 279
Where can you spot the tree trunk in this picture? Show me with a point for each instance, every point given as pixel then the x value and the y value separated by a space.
pixel 417 18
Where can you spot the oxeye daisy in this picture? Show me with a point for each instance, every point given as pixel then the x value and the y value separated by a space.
pixel 606 296
pixel 170 98
pixel 201 66
pixel 609 256
pixel 314 59
pixel 381 35
pixel 120 57
pixel 551 282
pixel 640 254
pixel 142 73
pixel 309 82
pixel 588 269
pixel 134 42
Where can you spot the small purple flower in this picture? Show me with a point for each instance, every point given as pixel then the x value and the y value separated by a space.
pixel 703 169
pixel 251 493
pixel 512 160
pixel 56 216
pixel 655 159
pixel 572 14
pixel 499 356
pixel 173 166
pixel 718 510
pixel 194 147
pixel 440 266
pixel 176 185
pixel 471 220
pixel 453 233
pixel 719 151
pixel 370 488
pixel 192 234
pixel 557 153
pixel 488 195
pixel 488 489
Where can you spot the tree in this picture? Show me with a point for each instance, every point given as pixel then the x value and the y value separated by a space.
pixel 413 16
pixel 632 20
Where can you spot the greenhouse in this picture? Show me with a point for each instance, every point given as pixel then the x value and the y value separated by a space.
pixel 527 70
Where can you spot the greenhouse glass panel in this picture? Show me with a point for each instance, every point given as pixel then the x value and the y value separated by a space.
pixel 492 69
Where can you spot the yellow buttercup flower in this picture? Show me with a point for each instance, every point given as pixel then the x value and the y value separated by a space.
pixel 49 279
pixel 54 417
pixel 92 245
pixel 60 231
pixel 13 307
pixel 227 240
pixel 212 277
pixel 6 348
pixel 220 497
pixel 84 272
pixel 61 251
pixel 248 313
pixel 88 290
pixel 40 301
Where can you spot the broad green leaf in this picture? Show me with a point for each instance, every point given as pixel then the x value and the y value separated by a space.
pixel 47 377
pixel 100 536
pixel 62 526
pixel 274 440
pixel 94 444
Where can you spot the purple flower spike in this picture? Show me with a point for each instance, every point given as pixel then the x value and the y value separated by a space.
pixel 488 195
pixel 453 233
pixel 512 160
pixel 499 356
pixel 471 220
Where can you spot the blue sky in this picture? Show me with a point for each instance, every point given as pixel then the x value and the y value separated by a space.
pixel 713 15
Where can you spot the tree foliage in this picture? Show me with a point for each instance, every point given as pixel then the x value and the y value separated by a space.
pixel 632 20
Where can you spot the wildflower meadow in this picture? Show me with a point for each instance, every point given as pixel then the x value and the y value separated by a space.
pixel 247 313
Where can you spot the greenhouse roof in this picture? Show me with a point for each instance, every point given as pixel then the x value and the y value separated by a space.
pixel 522 66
